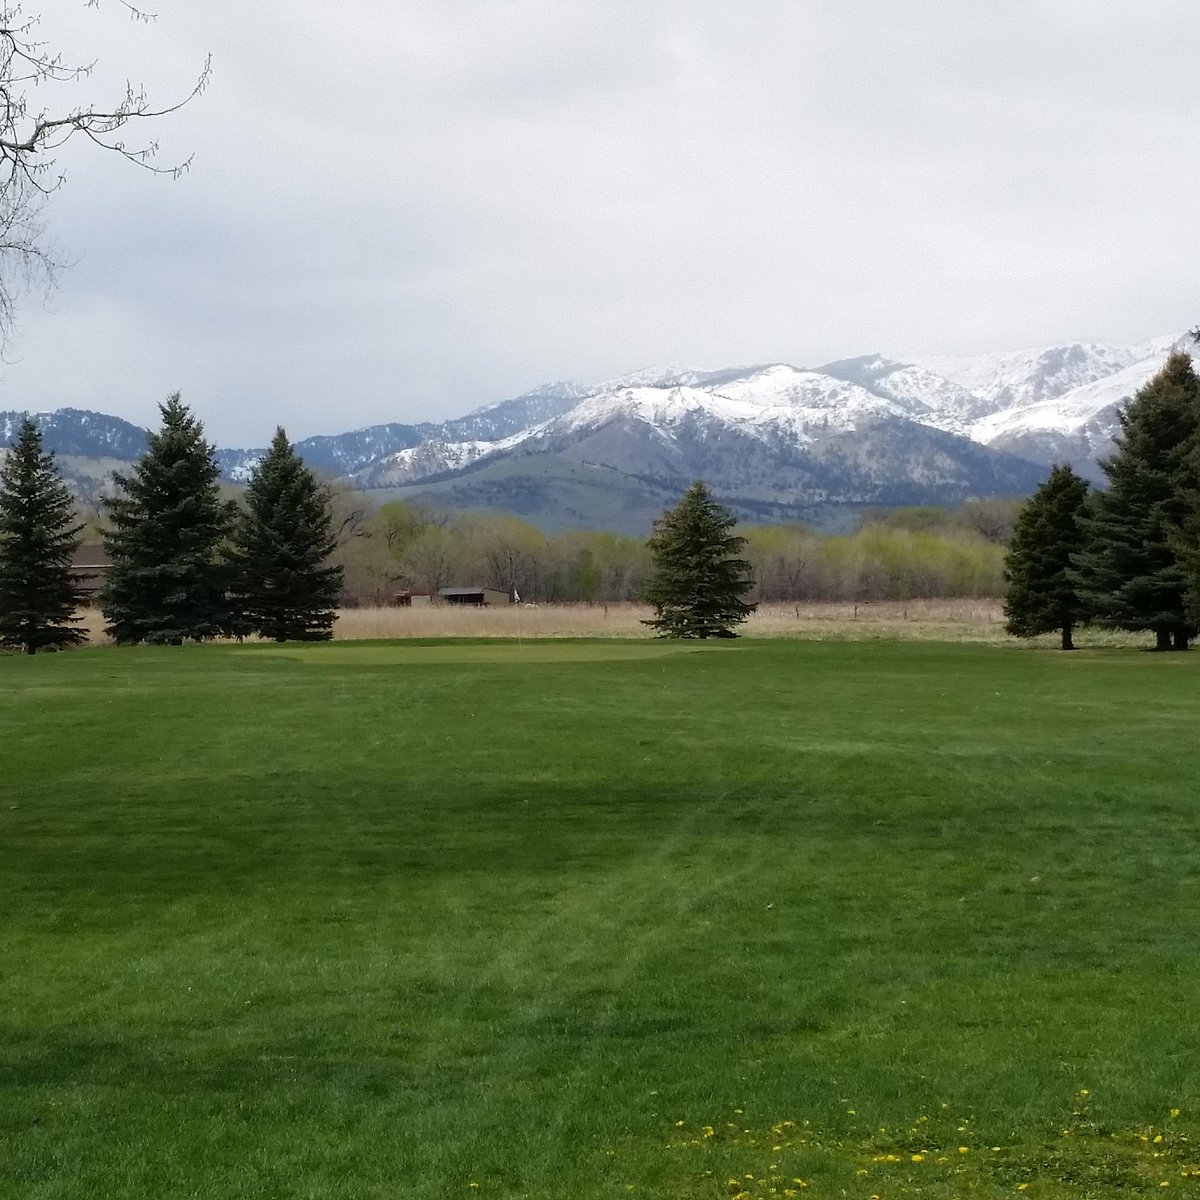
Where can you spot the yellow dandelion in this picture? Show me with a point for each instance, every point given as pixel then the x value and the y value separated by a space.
pixel 1022 1187
pixel 472 1184
pixel 1174 1113
pixel 1165 1183
pixel 964 1149
pixel 918 1158
pixel 1158 1139
pixel 1084 1092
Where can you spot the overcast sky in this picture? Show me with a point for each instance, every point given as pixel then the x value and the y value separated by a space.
pixel 403 209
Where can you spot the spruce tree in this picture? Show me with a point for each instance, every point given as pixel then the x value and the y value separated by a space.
pixel 38 537
pixel 285 588
pixel 167 581
pixel 1041 596
pixel 697 581
pixel 1128 574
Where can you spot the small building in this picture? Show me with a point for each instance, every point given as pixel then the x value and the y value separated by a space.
pixel 477 596
pixel 89 566
pixel 409 599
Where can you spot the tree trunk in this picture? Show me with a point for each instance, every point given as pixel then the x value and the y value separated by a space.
pixel 1067 643
pixel 1181 639
pixel 1162 639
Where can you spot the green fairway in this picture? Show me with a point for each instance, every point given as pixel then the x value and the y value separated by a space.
pixel 599 919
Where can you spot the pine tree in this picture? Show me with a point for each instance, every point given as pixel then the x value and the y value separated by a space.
pixel 38 537
pixel 697 581
pixel 285 587
pixel 1041 596
pixel 168 580
pixel 1129 575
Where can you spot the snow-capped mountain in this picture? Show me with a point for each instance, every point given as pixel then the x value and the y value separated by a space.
pixel 78 431
pixel 422 461
pixel 1024 377
pixel 1076 427
pixel 771 438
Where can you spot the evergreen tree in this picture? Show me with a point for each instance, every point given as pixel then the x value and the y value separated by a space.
pixel 38 537
pixel 1128 574
pixel 1041 596
pixel 285 586
pixel 697 581
pixel 167 581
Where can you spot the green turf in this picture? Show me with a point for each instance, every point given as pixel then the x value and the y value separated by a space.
pixel 384 920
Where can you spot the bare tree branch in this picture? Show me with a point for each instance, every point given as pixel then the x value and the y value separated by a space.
pixel 30 137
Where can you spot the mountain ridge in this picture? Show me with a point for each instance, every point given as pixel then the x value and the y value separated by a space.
pixel 861 430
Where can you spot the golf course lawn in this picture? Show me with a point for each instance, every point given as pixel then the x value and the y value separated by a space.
pixel 599 919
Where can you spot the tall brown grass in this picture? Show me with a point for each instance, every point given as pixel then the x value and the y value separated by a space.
pixel 957 619
pixel 915 620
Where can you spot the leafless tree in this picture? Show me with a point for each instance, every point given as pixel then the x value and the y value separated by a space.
pixel 32 130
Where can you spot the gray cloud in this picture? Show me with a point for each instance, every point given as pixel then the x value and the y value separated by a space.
pixel 398 212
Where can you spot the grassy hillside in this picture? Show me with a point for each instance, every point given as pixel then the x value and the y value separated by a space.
pixel 557 492
pixel 599 919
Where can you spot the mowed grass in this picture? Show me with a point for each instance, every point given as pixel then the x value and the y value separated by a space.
pixel 599 919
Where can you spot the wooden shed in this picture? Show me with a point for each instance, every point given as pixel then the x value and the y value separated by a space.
pixel 477 596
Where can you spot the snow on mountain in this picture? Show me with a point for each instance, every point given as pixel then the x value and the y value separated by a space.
pixel 80 432
pixel 1023 377
pixel 429 458
pixel 866 429
pixel 675 375
pixel 503 419
pixel 1077 427
pixel 238 465
pixel 787 408
pixel 1070 411
pixel 926 396
pixel 663 408
pixel 779 398
pixel 811 395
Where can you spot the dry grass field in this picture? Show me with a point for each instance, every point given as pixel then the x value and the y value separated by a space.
pixel 970 620
pixel 977 620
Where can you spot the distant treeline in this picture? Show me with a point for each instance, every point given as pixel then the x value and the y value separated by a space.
pixel 901 554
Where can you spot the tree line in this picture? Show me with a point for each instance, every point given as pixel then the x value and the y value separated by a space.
pixel 189 563
pixel 186 564
pixel 1128 556
pixel 906 554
